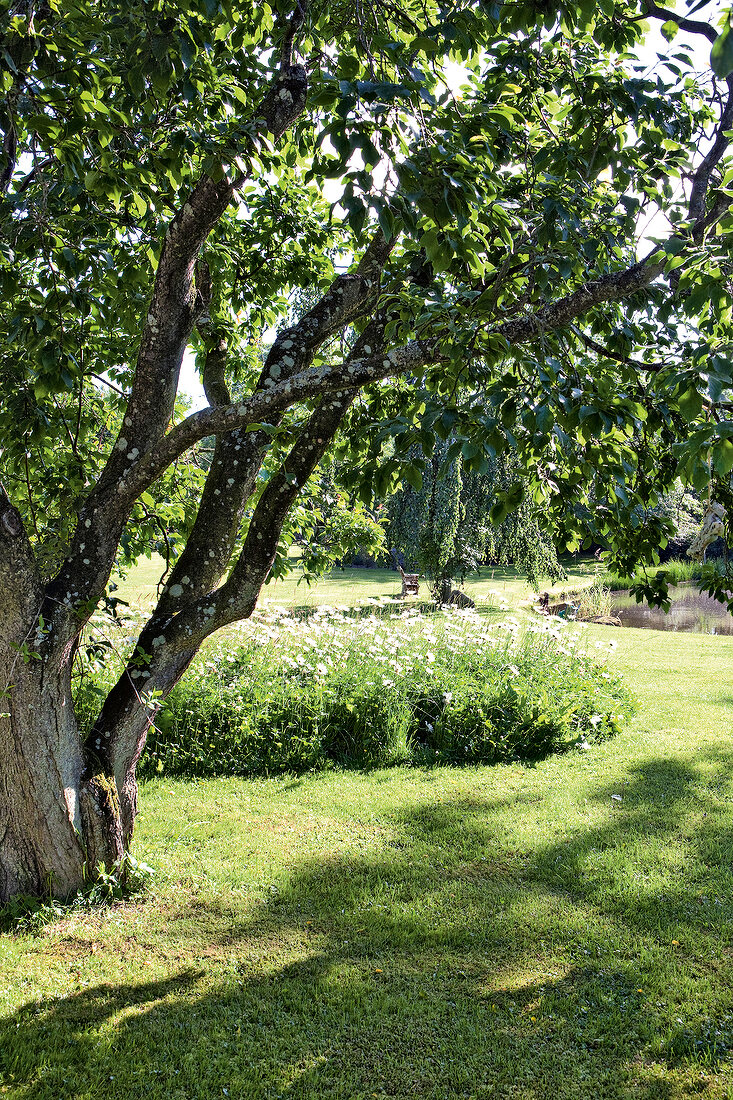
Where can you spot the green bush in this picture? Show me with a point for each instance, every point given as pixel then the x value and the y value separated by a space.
pixel 296 695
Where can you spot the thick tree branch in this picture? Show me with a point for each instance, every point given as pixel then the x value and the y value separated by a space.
pixel 316 382
pixel 701 177
pixel 721 141
pixel 238 455
pixel 237 459
pixel 20 581
pixel 694 26
pixel 127 711
pixel 237 597
pixel 292 30
pixel 165 335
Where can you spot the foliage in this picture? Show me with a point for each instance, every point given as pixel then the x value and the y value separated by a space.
pixel 32 914
pixel 298 694
pixel 424 518
pixel 594 602
pixel 330 526
pixel 169 183
pixel 498 190
pixel 452 520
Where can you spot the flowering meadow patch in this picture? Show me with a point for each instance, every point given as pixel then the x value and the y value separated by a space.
pixel 379 686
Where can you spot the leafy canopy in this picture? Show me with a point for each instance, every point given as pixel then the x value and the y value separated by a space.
pixel 525 189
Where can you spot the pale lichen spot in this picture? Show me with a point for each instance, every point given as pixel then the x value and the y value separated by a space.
pixel 175 591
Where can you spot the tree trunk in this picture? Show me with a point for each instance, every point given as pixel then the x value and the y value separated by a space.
pixel 57 819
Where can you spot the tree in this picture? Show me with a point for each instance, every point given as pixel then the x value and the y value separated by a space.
pixel 424 518
pixel 162 175
pixel 449 522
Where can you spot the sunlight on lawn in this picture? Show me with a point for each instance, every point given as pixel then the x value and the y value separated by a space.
pixel 557 930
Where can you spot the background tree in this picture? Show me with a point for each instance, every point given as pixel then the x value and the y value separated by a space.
pixel 449 522
pixel 162 177
pixel 424 518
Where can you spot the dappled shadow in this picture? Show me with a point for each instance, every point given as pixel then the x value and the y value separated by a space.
pixel 436 969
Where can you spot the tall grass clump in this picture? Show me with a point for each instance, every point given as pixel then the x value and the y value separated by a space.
pixel 676 570
pixel 291 695
pixel 594 602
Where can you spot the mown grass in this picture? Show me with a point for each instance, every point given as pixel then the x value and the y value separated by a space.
pixel 491 586
pixel 561 930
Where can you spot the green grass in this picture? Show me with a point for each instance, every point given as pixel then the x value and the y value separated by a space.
pixel 559 931
pixel 678 570
pixel 347 587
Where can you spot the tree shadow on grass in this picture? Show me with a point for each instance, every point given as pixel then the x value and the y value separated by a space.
pixel 454 965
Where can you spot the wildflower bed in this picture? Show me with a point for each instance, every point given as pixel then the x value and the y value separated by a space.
pixel 384 686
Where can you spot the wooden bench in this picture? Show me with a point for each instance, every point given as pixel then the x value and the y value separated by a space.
pixel 410 585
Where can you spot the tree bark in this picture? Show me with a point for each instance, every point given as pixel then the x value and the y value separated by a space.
pixel 59 816
pixel 41 849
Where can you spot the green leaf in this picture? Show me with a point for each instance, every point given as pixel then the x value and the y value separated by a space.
pixel 690 404
pixel 386 223
pixel 499 512
pixel 413 476
pixel 721 55
pixel 141 207
pixel 723 457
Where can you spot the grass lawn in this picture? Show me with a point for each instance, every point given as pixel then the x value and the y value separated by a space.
pixel 347 587
pixel 555 931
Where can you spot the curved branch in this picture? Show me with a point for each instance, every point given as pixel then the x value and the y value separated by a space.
pixel 171 643
pixel 694 26
pixel 317 382
pixel 170 319
pixel 701 176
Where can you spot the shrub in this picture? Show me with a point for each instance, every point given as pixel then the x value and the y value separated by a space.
pixel 293 695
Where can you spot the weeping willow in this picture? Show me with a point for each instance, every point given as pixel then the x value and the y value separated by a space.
pixel 443 529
